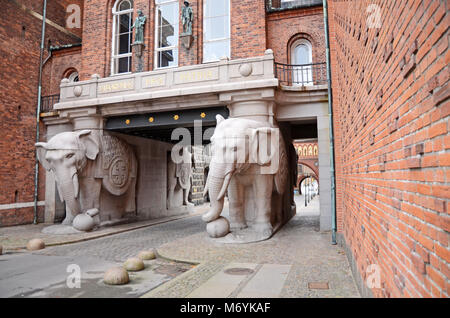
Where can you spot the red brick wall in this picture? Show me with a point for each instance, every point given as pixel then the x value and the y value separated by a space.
pixel 248 34
pixel 62 63
pixel 248 28
pixel 285 27
pixel 391 114
pixel 20 35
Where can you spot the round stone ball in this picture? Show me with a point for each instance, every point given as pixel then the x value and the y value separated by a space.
pixel 218 228
pixel 116 276
pixel 147 255
pixel 83 222
pixel 134 264
pixel 35 244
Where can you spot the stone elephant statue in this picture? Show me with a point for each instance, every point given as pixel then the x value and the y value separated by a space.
pixel 95 175
pixel 179 178
pixel 249 160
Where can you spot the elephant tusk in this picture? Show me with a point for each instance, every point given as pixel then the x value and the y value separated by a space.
pixel 226 182
pixel 76 185
pixel 205 190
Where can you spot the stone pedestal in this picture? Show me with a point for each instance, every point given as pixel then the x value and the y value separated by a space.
pixel 138 49
pixel 186 40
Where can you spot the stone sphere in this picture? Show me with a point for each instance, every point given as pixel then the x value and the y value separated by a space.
pixel 83 222
pixel 218 228
pixel 35 244
pixel 147 255
pixel 134 264
pixel 245 69
pixel 116 276
pixel 77 91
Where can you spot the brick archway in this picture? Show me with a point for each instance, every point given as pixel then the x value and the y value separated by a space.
pixel 310 163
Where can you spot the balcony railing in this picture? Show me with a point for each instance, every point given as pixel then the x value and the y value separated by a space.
pixel 47 102
pixel 301 75
pixel 279 5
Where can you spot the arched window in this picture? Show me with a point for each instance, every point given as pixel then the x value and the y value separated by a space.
pixel 73 77
pixel 122 36
pixel 301 58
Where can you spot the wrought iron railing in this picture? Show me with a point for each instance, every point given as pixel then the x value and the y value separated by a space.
pixel 277 5
pixel 301 75
pixel 47 102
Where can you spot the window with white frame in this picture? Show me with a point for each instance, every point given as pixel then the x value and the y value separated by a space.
pixel 166 39
pixel 301 58
pixel 216 29
pixel 122 36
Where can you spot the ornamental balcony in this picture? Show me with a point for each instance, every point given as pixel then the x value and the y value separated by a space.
pixel 281 5
pixel 301 75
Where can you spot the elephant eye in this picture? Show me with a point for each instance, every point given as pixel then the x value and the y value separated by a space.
pixel 70 155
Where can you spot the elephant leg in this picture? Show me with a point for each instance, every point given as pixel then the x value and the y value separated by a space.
pixel 69 217
pixel 263 200
pixel 236 205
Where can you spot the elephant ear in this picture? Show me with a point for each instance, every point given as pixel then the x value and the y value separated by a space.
pixel 219 119
pixel 41 150
pixel 264 145
pixel 90 144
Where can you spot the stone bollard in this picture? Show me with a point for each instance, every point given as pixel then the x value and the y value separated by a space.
pixel 133 264
pixel 1 250
pixel 116 276
pixel 35 244
pixel 147 255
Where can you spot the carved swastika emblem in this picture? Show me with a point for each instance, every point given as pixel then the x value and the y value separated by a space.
pixel 119 173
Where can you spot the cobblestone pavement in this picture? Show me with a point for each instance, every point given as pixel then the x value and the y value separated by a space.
pixel 299 244
pixel 16 237
pixel 305 253
pixel 44 273
pixel 121 246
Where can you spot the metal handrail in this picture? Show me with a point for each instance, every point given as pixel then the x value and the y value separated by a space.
pixel 301 74
pixel 47 102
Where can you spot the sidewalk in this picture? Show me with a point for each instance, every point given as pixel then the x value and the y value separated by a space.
pixel 298 261
pixel 16 237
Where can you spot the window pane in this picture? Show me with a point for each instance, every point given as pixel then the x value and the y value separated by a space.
pixel 167 36
pixel 124 43
pixel 216 8
pixel 302 54
pixel 123 64
pixel 213 51
pixel 125 5
pixel 124 23
pixel 168 58
pixel 216 28
pixel 168 14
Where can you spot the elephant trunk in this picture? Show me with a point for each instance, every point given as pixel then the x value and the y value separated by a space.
pixel 217 183
pixel 69 190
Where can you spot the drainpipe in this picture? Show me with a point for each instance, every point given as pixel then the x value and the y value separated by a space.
pixel 38 110
pixel 330 112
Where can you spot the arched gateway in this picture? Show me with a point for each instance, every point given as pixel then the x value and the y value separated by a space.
pixel 143 110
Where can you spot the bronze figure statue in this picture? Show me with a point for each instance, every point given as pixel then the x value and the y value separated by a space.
pixel 187 16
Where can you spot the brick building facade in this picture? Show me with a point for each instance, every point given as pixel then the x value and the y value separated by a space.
pixel 20 33
pixel 390 78
pixel 86 49
pixel 390 109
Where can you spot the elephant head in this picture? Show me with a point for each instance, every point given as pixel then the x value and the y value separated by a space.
pixel 236 145
pixel 66 155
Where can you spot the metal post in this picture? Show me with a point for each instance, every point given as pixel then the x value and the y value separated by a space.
pixel 38 110
pixel 330 112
